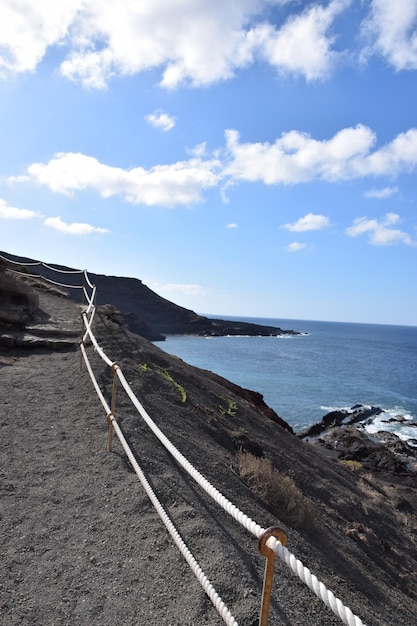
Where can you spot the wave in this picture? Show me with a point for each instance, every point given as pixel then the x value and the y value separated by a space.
pixel 391 420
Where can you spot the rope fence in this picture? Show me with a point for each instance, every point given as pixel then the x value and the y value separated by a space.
pixel 265 536
pixel 179 542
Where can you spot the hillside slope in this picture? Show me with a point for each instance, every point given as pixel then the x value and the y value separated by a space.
pixel 146 312
pixel 83 545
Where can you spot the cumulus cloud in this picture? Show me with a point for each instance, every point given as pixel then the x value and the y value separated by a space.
pixel 102 39
pixel 296 157
pixel 391 26
pixel 8 212
pixel 308 222
pixel 302 45
pixel 296 246
pixel 380 232
pixel 231 225
pixel 74 228
pixel 180 183
pixel 160 120
pixel 28 28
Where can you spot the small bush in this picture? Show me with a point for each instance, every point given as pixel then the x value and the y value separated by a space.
pixel 144 367
pixel 354 466
pixel 279 492
pixel 230 409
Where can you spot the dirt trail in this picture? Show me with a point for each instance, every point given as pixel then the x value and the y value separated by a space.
pixel 81 543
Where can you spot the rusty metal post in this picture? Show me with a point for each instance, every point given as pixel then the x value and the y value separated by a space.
pixel 110 417
pixel 266 551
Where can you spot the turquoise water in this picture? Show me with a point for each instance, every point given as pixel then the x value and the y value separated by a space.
pixel 333 365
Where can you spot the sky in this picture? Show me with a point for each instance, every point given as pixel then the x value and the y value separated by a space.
pixel 240 157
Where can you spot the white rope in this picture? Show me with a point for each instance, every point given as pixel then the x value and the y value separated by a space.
pixel 90 300
pixel 94 380
pixel 89 333
pixel 196 569
pixel 56 269
pixel 312 582
pixel 243 519
pixel 179 542
pixel 53 269
pixel 327 596
pixel 19 262
pixel 87 280
pixel 55 282
pixel 25 274
pixel 48 280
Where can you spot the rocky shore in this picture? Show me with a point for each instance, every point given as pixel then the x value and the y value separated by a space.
pixel 344 433
pixel 82 543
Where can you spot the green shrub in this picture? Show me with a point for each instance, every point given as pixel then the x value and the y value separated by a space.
pixel 144 367
pixel 230 409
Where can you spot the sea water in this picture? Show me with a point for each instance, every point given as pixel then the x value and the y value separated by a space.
pixel 331 365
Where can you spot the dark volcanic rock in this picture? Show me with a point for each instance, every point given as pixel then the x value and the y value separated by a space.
pixel 354 445
pixel 85 546
pixel 150 314
pixel 23 323
pixel 355 415
pixel 343 434
pixel 18 301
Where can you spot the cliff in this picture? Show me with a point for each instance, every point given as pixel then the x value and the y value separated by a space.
pixel 83 545
pixel 149 314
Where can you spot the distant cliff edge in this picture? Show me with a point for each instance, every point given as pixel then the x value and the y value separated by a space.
pixel 147 313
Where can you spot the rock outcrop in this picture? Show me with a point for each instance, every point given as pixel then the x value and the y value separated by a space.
pixel 18 301
pixel 23 321
pixel 343 434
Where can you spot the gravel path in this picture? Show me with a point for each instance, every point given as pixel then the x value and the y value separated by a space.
pixel 81 543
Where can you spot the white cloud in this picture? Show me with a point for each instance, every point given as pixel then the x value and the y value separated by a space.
pixel 308 222
pixel 296 246
pixel 180 183
pixel 392 28
pixel 231 226
pixel 199 150
pixel 296 157
pixel 192 41
pixel 380 232
pixel 161 120
pixel 28 28
pixel 74 228
pixel 186 289
pixel 8 212
pixel 386 192
pixel 302 45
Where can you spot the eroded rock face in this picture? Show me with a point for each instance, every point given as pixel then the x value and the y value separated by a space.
pixel 24 322
pixel 18 301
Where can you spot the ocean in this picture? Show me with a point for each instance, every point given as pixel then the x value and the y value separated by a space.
pixel 331 365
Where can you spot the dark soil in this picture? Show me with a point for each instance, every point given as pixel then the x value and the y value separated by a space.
pixel 81 543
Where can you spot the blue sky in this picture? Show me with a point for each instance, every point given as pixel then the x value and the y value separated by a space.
pixel 241 157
